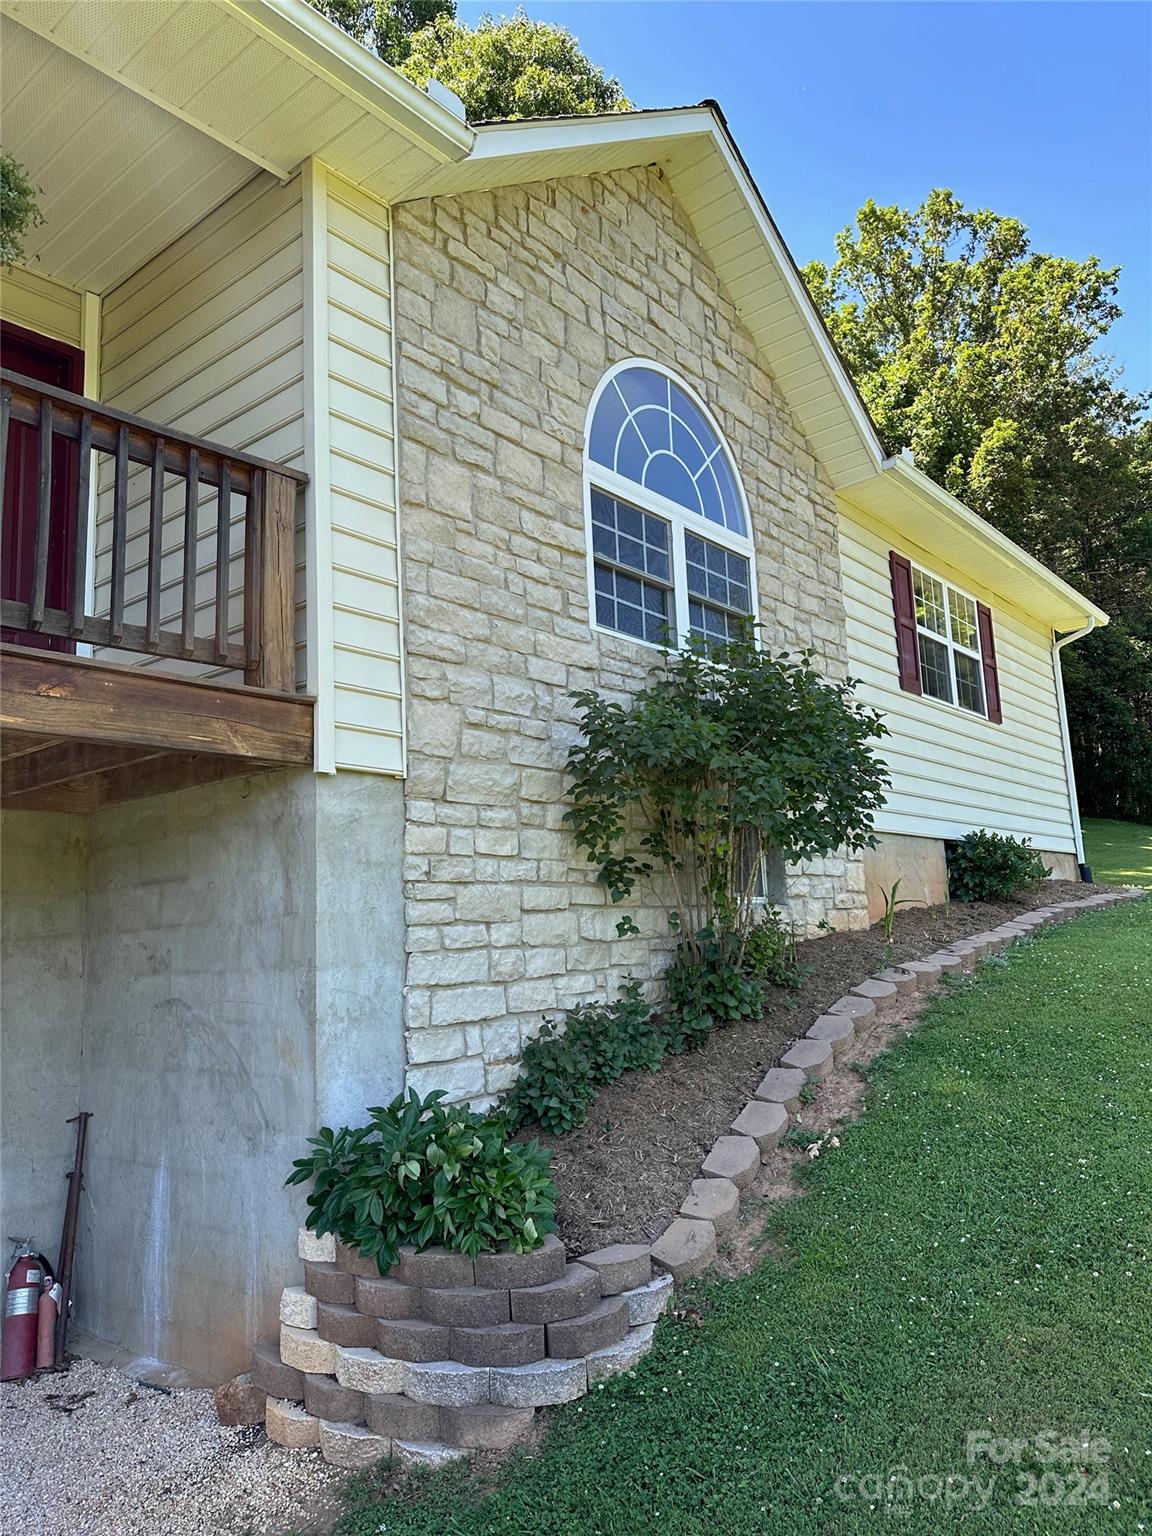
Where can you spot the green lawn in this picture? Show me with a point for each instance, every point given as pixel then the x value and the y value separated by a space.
pixel 973 1261
pixel 1119 852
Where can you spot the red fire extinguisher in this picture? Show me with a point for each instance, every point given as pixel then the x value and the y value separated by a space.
pixel 23 1282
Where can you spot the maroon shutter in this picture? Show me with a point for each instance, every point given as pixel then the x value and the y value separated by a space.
pixel 904 609
pixel 988 657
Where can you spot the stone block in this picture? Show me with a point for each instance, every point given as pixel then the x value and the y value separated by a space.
pixel 714 1200
pixel 430 1454
pixel 352 1447
pixel 733 1157
pixel 307 1351
pixel 412 1339
pixel 900 977
pixel 447 1383
pixel 327 1399
pixel 465 1306
pixel 881 994
pixel 297 1307
pixel 856 1008
pixel 950 965
pixel 606 1323
pixel 434 1267
pixel 355 1263
pixel 328 1282
pixel 782 1086
pixel 240 1401
pixel 272 1376
pixel 648 1302
pixel 381 1296
pixel 397 1417
pixel 812 1057
pixel 836 1030
pixel 485 1427
pixel 504 1344
pixel 538 1385
pixel 315 1249
pixel 765 1123
pixel 291 1426
pixel 621 1267
pixel 576 1290
pixel 967 953
pixel 367 1370
pixel 345 1325
pixel 926 972
pixel 685 1247
pixel 618 1358
pixel 507 1270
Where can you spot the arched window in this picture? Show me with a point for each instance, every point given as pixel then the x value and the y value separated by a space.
pixel 669 543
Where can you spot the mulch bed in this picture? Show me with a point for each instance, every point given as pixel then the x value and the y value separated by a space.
pixel 622 1177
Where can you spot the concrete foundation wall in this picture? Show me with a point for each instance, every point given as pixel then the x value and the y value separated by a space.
pixel 920 866
pixel 42 857
pixel 212 973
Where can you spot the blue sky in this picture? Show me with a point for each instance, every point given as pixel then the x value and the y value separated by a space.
pixel 1042 111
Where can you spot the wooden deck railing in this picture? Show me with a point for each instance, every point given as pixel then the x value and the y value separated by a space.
pixel 147 520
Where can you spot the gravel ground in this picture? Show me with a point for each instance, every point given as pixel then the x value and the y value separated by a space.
pixel 128 1459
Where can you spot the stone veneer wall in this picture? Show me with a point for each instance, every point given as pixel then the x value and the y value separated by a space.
pixel 510 307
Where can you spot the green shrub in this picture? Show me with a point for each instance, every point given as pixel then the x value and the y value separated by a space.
pixel 563 1068
pixel 985 866
pixel 423 1172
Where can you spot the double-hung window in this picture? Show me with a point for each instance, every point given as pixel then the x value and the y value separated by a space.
pixel 948 641
pixel 669 548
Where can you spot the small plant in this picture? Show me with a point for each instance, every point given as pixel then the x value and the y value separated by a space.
pixel 564 1068
pixel 423 1172
pixel 986 866
pixel 891 902
pixel 18 210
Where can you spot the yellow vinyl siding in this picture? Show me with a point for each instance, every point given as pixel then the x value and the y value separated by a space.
pixel 951 770
pixel 368 712
pixel 208 337
pixel 39 304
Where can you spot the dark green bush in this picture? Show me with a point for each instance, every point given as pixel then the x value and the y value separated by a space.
pixel 986 866
pixel 563 1069
pixel 423 1172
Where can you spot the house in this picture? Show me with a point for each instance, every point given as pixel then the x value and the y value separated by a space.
pixel 344 441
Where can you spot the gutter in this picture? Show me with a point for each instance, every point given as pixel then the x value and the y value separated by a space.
pixel 1066 742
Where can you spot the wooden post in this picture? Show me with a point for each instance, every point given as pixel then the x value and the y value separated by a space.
pixel 275 582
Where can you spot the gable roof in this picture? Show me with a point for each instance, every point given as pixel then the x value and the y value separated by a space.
pixel 695 151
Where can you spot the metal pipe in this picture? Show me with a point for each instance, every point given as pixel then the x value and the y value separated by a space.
pixel 1058 645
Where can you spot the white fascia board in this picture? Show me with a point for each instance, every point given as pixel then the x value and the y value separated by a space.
pixel 300 31
pixel 943 504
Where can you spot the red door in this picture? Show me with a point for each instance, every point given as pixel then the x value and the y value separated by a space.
pixel 55 363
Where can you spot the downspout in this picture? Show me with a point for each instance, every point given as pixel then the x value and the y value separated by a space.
pixel 1066 739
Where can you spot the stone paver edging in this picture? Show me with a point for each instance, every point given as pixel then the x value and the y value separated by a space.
pixel 445 1356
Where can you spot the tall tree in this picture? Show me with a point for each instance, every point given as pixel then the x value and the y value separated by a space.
pixel 983 356
pixel 506 67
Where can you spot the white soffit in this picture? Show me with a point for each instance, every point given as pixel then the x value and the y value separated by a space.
pixel 915 508
pixel 218 89
pixel 692 148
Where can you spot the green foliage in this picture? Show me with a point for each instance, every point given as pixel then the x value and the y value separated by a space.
pixel 891 902
pixel 563 1069
pixel 385 26
pixel 512 67
pixel 986 866
pixel 983 356
pixel 18 210
pixel 725 977
pixel 721 757
pixel 504 67
pixel 423 1172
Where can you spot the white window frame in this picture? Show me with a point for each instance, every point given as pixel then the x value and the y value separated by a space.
pixel 597 478
pixel 951 645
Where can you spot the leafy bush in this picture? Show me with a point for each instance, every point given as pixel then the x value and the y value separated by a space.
pixel 722 979
pixel 986 866
pixel 423 1172
pixel 18 210
pixel 563 1068
pixel 726 754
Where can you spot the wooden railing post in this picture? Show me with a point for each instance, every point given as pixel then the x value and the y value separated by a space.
pixel 275 582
